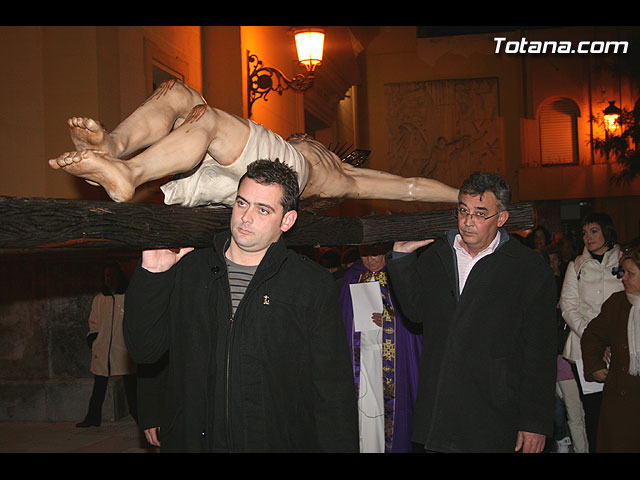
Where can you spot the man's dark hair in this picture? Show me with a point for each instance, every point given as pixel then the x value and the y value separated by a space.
pixel 267 172
pixel 481 182
pixel 606 225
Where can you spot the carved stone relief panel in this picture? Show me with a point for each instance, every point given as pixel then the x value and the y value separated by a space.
pixel 444 129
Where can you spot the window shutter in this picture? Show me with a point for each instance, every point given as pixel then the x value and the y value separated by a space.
pixel 558 133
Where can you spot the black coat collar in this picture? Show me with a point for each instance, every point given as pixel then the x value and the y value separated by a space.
pixel 275 255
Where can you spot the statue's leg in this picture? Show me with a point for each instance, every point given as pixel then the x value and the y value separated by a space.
pixel 204 129
pixel 166 108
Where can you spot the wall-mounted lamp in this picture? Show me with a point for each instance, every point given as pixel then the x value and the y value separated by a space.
pixel 611 118
pixel 261 80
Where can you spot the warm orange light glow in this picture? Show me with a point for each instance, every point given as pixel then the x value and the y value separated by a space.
pixel 611 116
pixel 310 44
pixel 611 122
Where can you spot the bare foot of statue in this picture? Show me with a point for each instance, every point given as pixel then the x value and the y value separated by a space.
pixel 98 168
pixel 87 134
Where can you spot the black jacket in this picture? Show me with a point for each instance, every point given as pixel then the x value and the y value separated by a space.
pixel 488 365
pixel 290 377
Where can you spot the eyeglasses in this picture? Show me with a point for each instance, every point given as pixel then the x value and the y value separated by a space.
pixel 462 211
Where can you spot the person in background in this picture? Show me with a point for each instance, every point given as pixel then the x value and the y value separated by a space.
pixel 385 360
pixel 588 283
pixel 617 326
pixel 567 252
pixel 349 257
pixel 109 355
pixel 330 259
pixel 568 394
pixel 539 238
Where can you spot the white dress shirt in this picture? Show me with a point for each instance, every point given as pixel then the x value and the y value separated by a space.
pixel 466 261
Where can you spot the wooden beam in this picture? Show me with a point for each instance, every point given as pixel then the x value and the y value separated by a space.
pixel 37 223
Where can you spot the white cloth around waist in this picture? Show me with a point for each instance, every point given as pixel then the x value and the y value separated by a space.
pixel 213 183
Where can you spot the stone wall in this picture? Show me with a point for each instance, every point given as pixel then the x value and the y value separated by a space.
pixel 45 302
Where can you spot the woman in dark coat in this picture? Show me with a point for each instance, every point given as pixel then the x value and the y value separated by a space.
pixel 618 325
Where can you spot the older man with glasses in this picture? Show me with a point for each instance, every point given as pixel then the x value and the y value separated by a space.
pixel 487 306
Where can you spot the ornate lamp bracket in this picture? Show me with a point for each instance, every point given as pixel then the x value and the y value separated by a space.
pixel 262 80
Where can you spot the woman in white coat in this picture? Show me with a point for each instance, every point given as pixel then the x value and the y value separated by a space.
pixel 588 282
pixel 109 355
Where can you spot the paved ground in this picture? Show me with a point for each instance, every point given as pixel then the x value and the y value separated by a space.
pixel 122 436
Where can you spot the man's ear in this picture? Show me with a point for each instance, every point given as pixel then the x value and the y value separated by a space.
pixel 503 216
pixel 288 220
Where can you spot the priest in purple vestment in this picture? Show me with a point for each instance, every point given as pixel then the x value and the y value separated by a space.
pixel 400 351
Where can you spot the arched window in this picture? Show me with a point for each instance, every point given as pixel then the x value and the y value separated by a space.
pixel 558 123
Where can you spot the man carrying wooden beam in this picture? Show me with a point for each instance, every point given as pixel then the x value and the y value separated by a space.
pixel 258 358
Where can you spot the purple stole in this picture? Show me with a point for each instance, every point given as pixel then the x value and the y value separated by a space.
pixel 398 397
